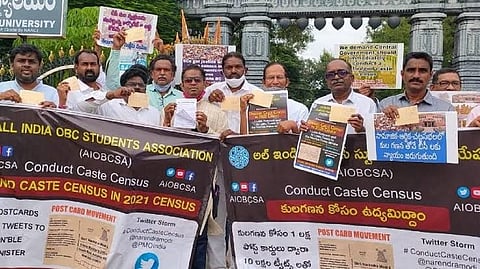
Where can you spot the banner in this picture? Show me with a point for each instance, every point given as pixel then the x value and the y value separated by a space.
pixel 320 149
pixel 208 57
pixel 82 192
pixel 434 139
pixel 33 18
pixel 266 119
pixel 377 215
pixel 112 20
pixel 374 64
pixel 463 101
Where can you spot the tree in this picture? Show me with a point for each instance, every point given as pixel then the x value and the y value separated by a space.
pixel 82 18
pixel 284 45
pixel 313 74
pixel 401 34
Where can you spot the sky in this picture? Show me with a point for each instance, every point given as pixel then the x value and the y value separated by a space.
pixel 328 37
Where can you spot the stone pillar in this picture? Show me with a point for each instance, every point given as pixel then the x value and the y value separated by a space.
pixel 466 57
pixel 226 28
pixel 256 46
pixel 426 34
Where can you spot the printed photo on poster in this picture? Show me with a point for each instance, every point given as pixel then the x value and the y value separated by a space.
pixel 433 140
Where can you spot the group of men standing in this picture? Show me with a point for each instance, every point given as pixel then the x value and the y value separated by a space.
pixel 157 82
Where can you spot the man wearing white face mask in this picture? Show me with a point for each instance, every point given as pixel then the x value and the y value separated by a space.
pixel 235 84
pixel 161 91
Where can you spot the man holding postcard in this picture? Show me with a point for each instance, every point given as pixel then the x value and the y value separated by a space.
pixel 162 90
pixel 83 90
pixel 416 74
pixel 275 77
pixel 129 102
pixel 339 80
pixel 26 61
pixel 209 118
pixel 230 90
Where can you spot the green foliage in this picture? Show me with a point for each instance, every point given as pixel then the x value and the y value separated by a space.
pixel 385 34
pixel 401 34
pixel 313 74
pixel 284 45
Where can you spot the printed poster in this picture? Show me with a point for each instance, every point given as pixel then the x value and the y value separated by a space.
pixel 463 101
pixel 319 151
pixel 433 140
pixel 265 120
pixel 208 57
pixel 112 20
pixel 375 64
pixel 112 195
pixel 377 215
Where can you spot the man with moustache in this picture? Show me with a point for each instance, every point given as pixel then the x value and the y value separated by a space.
pixel 235 84
pixel 416 74
pixel 339 80
pixel 26 62
pixel 162 90
pixel 210 119
pixel 91 93
pixel 275 77
pixel 446 79
pixel 116 106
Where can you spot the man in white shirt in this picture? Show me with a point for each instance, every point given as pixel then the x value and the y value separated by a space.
pixel 209 117
pixel 132 80
pixel 26 62
pixel 90 94
pixel 275 77
pixel 235 84
pixel 339 80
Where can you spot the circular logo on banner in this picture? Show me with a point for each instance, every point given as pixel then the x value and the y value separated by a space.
pixel 463 192
pixel 239 157
pixel 147 260
pixel 329 162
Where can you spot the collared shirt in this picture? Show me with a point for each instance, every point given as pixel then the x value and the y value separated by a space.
pixel 363 105
pixel 112 79
pixel 49 92
pixel 216 118
pixel 233 117
pixel 429 103
pixel 296 111
pixel 160 101
pixel 118 109
pixel 77 100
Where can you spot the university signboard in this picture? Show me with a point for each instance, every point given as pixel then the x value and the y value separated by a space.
pixel 43 18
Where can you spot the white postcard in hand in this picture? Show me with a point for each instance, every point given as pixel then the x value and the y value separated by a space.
pixel 185 113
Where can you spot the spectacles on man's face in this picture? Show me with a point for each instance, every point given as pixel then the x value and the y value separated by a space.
pixel 341 73
pixel 190 80
pixel 445 84
pixel 272 78
pixel 140 85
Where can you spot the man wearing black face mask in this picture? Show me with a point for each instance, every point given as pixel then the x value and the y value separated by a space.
pixel 87 70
